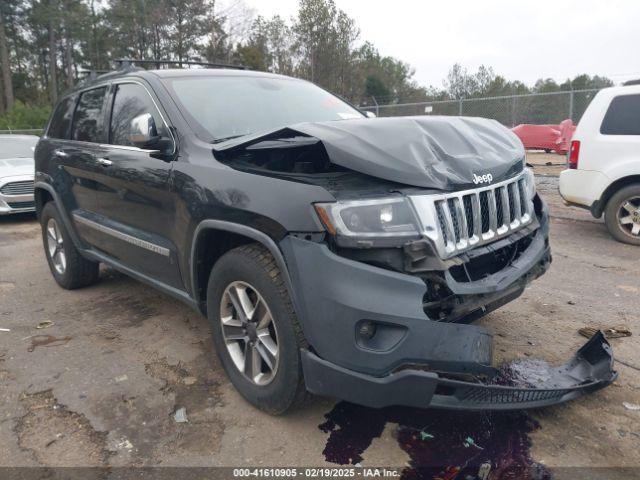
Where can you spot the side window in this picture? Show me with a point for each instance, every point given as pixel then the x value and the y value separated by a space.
pixel 622 117
pixel 131 103
pixel 61 119
pixel 88 116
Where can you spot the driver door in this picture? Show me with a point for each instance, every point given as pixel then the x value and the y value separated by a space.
pixel 134 208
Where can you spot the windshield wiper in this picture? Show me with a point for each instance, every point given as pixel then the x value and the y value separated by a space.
pixel 224 139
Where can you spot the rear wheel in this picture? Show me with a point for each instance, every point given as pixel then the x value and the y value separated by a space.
pixel 69 269
pixel 622 215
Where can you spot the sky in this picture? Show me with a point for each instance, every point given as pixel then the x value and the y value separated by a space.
pixel 521 39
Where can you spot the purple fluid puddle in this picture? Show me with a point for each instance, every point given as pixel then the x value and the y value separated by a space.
pixel 441 444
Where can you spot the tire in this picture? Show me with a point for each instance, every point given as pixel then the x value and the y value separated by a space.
pixel 69 269
pixel 622 214
pixel 274 383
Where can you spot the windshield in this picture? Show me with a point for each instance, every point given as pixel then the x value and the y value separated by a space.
pixel 227 107
pixel 17 147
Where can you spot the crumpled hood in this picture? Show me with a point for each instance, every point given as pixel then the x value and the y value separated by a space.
pixel 435 152
pixel 10 167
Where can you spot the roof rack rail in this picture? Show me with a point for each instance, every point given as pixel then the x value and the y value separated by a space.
pixel 85 77
pixel 92 74
pixel 129 62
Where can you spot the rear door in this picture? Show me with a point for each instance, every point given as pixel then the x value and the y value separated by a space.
pixel 135 211
pixel 74 142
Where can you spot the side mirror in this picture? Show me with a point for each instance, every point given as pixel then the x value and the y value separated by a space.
pixel 370 114
pixel 143 132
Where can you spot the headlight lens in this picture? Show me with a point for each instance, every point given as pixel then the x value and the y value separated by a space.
pixel 530 183
pixel 369 219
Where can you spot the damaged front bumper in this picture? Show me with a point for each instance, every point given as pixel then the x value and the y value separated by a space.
pixel 589 370
pixel 413 360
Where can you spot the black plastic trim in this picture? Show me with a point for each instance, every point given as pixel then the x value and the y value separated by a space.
pixel 246 231
pixel 63 214
pixel 535 253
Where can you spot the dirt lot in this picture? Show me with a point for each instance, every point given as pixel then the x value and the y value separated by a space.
pixel 547 163
pixel 100 386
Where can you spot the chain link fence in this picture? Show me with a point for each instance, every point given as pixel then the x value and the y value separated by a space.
pixel 511 110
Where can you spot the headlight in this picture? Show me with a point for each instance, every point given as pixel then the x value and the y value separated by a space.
pixel 384 222
pixel 530 183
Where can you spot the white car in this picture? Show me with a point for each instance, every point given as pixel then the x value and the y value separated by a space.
pixel 604 162
pixel 16 173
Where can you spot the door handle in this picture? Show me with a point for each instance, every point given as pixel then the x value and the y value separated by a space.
pixel 105 162
pixel 60 153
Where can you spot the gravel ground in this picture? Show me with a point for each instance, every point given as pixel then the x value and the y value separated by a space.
pixel 99 387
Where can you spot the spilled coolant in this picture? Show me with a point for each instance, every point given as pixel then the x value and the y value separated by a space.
pixel 525 373
pixel 444 444
pixel 441 444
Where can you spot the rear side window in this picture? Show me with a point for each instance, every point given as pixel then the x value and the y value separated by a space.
pixel 132 100
pixel 622 117
pixel 61 120
pixel 88 117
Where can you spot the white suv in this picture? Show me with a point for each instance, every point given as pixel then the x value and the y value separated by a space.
pixel 604 162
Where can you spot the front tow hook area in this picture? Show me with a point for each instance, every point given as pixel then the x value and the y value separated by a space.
pixel 518 385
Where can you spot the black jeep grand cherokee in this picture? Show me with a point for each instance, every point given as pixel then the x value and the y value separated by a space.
pixel 332 253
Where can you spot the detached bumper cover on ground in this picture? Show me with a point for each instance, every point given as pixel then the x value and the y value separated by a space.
pixel 589 370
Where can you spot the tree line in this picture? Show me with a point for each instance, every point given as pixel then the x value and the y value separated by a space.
pixel 46 46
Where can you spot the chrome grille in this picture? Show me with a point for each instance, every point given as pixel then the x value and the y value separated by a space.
pixel 17 188
pixel 462 220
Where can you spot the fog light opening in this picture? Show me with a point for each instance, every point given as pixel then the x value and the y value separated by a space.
pixel 367 330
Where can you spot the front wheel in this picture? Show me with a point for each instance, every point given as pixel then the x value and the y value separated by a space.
pixel 69 269
pixel 255 329
pixel 622 215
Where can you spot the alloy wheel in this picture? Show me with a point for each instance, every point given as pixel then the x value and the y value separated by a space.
pixel 629 216
pixel 249 332
pixel 55 245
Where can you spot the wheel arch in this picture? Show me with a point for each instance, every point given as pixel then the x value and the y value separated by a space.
pixel 212 239
pixel 39 192
pixel 599 206
pixel 41 196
